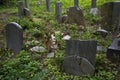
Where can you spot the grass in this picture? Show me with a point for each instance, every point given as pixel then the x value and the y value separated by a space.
pixel 36 66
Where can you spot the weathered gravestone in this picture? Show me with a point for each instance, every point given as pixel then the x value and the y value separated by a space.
pixel 94 9
pixel 20 9
pixel 76 3
pixel 14 37
pixel 113 52
pixel 80 57
pixel 110 13
pixel 48 5
pixel 75 15
pixel 58 10
pixel 26 4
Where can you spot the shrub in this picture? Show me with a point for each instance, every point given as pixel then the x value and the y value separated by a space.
pixel 7 2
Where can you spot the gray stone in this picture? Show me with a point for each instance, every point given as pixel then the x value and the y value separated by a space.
pixel 75 15
pixel 71 65
pixel 78 66
pixel 110 15
pixel 38 49
pixel 58 12
pixel 51 54
pixel 76 3
pixel 115 44
pixel 87 67
pixel 26 4
pixel 48 5
pixel 82 48
pixel 100 49
pixel 113 52
pixel 94 11
pixel 14 37
pixel 20 9
pixel 26 12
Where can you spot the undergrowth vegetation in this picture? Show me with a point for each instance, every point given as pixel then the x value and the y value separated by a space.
pixel 29 65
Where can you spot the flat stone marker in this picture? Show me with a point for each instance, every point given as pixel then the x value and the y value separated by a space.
pixel 80 57
pixel 75 15
pixel 110 13
pixel 113 52
pixel 14 37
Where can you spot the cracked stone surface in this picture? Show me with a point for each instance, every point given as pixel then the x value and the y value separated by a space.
pixel 78 66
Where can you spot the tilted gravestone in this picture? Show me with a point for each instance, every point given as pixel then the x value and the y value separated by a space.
pixel 94 9
pixel 14 37
pixel 58 10
pixel 113 52
pixel 80 57
pixel 48 5
pixel 75 15
pixel 110 13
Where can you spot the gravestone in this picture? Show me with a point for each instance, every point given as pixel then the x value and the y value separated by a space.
pixel 48 5
pixel 113 52
pixel 58 12
pixel 26 12
pixel 75 15
pixel 94 9
pixel 80 57
pixel 76 3
pixel 78 66
pixel 110 13
pixel 20 9
pixel 14 37
pixel 26 4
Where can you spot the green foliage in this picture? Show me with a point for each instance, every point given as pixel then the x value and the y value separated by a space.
pixel 36 66
pixel 23 66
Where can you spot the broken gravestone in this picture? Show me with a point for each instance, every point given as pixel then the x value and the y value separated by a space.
pixel 113 52
pixel 75 15
pixel 14 37
pixel 77 65
pixel 110 13
pixel 80 57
